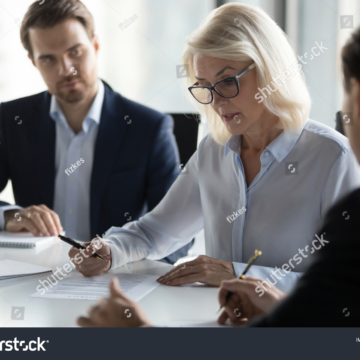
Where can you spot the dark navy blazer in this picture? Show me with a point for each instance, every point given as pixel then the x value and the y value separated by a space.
pixel 134 164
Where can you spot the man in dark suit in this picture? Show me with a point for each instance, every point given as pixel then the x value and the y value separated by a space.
pixel 91 157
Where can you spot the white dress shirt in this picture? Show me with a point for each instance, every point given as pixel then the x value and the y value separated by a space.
pixel 72 192
pixel 285 205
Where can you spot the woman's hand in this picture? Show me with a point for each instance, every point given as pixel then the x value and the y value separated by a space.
pixel 115 311
pixel 88 265
pixel 203 269
pixel 245 302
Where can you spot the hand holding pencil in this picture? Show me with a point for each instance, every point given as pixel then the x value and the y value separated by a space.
pixel 250 262
pixel 241 300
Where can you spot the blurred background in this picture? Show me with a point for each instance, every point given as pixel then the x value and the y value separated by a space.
pixel 141 60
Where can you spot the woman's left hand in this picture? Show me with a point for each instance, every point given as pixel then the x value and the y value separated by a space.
pixel 203 269
pixel 115 311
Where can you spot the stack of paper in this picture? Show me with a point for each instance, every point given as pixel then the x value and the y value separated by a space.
pixel 12 269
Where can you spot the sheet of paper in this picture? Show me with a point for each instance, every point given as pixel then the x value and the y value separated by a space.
pixel 11 268
pixel 76 286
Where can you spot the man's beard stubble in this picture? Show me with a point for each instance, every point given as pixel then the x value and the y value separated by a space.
pixel 74 95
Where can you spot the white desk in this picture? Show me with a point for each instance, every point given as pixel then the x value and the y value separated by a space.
pixel 165 303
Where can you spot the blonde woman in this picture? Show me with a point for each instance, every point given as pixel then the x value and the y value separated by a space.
pixel 265 176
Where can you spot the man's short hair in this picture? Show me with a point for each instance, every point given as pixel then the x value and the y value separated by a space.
pixel 54 12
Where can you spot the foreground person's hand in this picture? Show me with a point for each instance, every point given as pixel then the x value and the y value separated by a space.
pixel 203 269
pixel 39 220
pixel 90 266
pixel 245 302
pixel 115 311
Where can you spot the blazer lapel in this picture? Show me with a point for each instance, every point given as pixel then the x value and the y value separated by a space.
pixel 43 139
pixel 110 136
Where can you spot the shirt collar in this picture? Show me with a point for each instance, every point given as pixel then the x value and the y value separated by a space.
pixel 233 144
pixel 94 113
pixel 279 147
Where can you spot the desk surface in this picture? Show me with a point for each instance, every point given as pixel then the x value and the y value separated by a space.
pixel 195 304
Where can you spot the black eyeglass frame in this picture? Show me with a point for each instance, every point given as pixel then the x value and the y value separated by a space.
pixel 212 88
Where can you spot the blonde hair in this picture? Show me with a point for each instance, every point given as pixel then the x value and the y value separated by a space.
pixel 242 32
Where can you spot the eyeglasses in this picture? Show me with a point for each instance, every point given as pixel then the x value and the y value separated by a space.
pixel 227 88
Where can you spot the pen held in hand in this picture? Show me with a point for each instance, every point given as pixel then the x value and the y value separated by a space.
pixel 250 262
pixel 79 246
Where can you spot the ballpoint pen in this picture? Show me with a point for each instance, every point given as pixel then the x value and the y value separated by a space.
pixel 77 245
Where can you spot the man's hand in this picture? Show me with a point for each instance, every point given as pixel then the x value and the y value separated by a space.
pixel 203 269
pixel 115 311
pixel 90 266
pixel 39 220
pixel 245 302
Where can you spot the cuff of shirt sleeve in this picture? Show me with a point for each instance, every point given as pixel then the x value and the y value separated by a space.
pixel 126 246
pixel 2 210
pixel 112 254
pixel 112 246
pixel 238 268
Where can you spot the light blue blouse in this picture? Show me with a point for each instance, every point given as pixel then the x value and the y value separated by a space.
pixel 302 174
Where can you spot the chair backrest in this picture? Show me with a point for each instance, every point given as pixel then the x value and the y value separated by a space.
pixel 186 133
pixel 339 126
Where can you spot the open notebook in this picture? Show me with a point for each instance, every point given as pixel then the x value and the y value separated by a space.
pixel 23 240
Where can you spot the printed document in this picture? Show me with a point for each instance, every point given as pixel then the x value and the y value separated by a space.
pixel 76 286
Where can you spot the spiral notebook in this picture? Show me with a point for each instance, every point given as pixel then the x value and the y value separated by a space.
pixel 23 240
